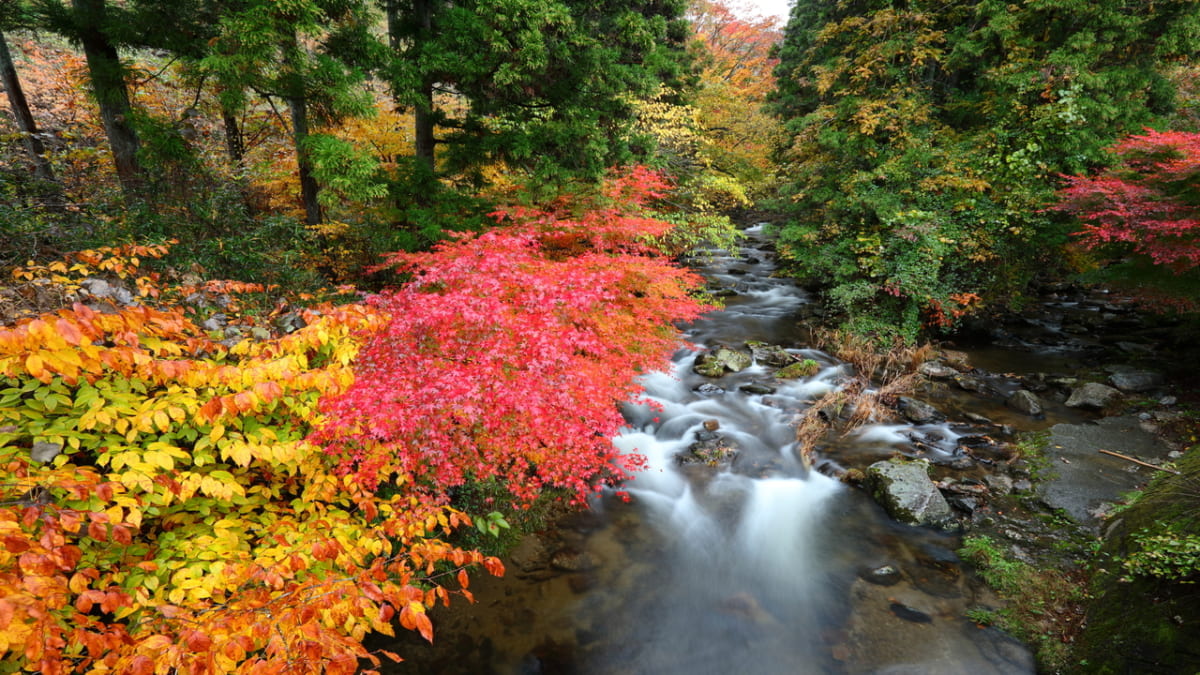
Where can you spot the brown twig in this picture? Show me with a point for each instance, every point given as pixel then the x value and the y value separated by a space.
pixel 1138 461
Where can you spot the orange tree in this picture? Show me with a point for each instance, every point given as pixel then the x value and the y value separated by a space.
pixel 167 505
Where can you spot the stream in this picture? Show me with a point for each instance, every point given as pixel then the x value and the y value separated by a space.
pixel 753 566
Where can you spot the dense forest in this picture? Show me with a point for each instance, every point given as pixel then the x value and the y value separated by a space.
pixel 308 305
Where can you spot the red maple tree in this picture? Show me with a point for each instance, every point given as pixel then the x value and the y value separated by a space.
pixel 1149 200
pixel 508 355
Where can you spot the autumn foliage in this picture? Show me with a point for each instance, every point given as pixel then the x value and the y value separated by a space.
pixel 509 353
pixel 1148 202
pixel 167 503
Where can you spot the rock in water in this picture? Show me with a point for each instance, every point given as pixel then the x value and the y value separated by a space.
pixel 1092 395
pixel 770 355
pixel 918 412
pixel 1135 380
pixel 905 491
pixel 717 362
pixel 1026 402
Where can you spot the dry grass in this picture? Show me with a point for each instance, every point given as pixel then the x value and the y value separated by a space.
pixel 866 398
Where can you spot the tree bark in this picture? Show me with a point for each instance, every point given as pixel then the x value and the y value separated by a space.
pixel 423 115
pixel 309 188
pixel 297 101
pixel 235 141
pixel 108 86
pixel 24 117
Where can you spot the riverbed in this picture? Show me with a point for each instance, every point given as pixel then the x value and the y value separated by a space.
pixel 752 565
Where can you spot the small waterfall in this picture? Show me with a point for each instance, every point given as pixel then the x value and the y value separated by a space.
pixel 754 565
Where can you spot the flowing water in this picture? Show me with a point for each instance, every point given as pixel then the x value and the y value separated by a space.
pixel 758 566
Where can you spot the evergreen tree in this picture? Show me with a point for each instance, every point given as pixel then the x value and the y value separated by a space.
pixel 540 85
pixel 926 137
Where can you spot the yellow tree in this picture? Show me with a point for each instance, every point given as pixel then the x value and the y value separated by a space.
pixel 733 47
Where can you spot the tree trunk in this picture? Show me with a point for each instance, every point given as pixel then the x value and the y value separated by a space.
pixel 25 121
pixel 235 141
pixel 108 85
pixel 309 189
pixel 423 117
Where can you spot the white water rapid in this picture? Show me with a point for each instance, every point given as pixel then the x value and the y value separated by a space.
pixel 751 565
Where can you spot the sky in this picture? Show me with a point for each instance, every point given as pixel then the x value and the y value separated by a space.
pixel 777 8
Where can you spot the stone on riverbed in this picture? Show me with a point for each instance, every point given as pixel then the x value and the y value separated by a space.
pixel 918 412
pixel 1135 380
pixel 1092 395
pixel 710 448
pixel 936 371
pixel 770 355
pixel 1026 402
pixel 905 491
pixel 717 362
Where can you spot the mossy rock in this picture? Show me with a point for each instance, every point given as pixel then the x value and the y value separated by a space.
pixel 805 368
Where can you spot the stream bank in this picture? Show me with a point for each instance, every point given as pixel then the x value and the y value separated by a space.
pixel 734 556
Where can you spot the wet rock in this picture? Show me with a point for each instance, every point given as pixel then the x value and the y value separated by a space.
pixel 1084 478
pixel 770 355
pixel 853 477
pixel 1135 348
pixel 1135 380
pixel 882 576
pixel 805 368
pixel 1065 382
pixel 709 389
pixel 717 362
pixel 910 614
pixel 756 388
pixel 998 483
pixel 572 560
pixel 1092 395
pixel 918 412
pixel 711 449
pixel 885 634
pixel 955 359
pixel 1022 486
pixel 970 383
pixel 976 418
pixel 907 494
pixel 529 554
pixel 936 371
pixel 711 425
pixel 1026 402
pixel 967 505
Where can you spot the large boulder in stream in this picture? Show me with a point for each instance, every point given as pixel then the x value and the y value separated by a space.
pixel 906 492
pixel 1092 395
pixel 1134 380
pixel 716 362
pixel 770 355
pixel 918 412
